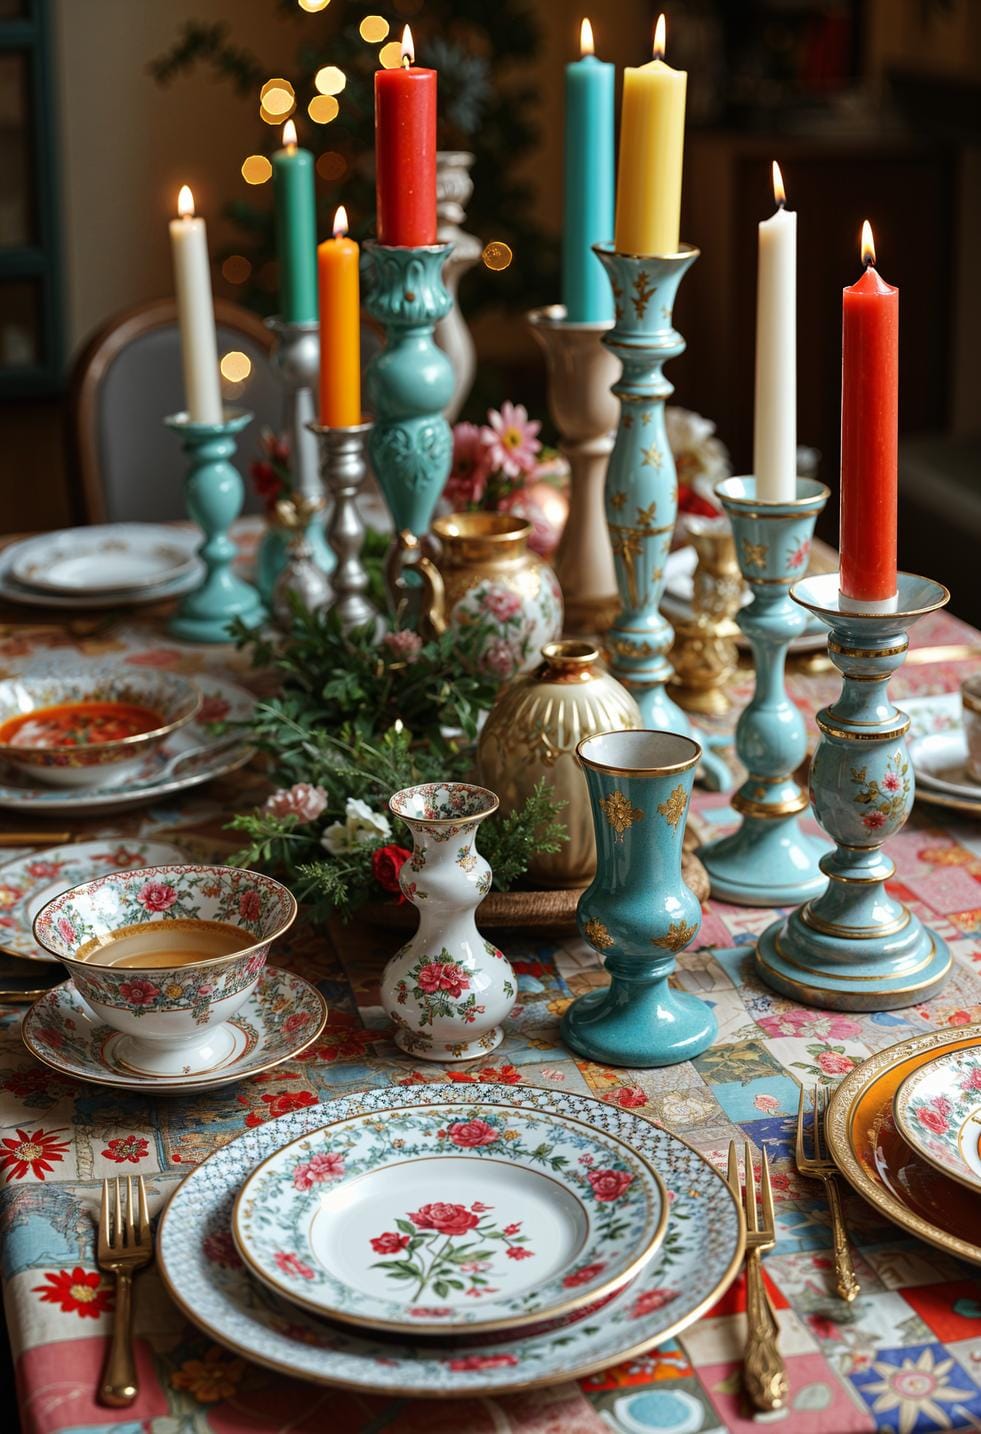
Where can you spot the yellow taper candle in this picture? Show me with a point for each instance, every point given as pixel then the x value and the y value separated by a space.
pixel 652 138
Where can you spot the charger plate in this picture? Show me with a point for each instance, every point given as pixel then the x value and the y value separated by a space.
pixel 696 1263
pixel 874 1158
pixel 448 1218
pixel 937 1110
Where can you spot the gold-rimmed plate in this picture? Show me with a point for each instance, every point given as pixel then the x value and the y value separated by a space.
pixel 874 1158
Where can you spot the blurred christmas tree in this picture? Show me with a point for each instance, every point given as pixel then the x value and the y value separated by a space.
pixel 484 106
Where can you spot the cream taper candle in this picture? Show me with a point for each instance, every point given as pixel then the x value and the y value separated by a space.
pixel 195 313
pixel 652 140
pixel 775 426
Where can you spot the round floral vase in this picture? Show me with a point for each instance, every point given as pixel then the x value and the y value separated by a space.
pixel 532 733
pixel 447 990
pixel 491 576
pixel 638 914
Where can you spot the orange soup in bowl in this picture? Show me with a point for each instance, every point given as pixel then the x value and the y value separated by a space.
pixel 78 724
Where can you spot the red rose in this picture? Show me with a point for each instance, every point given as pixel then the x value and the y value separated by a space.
pixel 442 976
pixel 386 863
pixel 650 1301
pixel 933 1120
pixel 518 1252
pixel 156 896
pixel 609 1184
pixel 139 993
pixel 446 1219
pixel 584 1275
pixel 470 1133
pixel 249 906
pixel 834 1064
pixel 389 1243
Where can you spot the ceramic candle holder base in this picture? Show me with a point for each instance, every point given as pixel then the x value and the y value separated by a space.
pixel 769 861
pixel 855 947
pixel 343 466
pixel 581 374
pixel 410 383
pixel 296 358
pixel 638 913
pixel 214 492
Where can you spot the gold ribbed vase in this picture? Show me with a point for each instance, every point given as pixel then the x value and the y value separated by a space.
pixel 532 732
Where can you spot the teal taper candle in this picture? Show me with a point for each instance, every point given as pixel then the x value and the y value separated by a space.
pixel 296 230
pixel 588 185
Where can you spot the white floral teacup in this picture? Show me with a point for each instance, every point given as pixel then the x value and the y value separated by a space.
pixel 172 1017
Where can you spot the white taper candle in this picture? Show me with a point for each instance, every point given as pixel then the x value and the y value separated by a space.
pixel 775 426
pixel 195 313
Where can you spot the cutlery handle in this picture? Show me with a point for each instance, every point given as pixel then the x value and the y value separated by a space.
pixel 846 1282
pixel 119 1386
pixel 764 1373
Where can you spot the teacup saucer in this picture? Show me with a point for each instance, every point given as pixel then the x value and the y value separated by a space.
pixel 278 1021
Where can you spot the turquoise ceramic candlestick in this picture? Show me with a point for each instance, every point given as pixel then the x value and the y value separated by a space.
pixel 214 492
pixel 410 382
pixel 638 913
pixel 769 861
pixel 855 947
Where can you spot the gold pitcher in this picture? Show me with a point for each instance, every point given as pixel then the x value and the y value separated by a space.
pixel 486 573
pixel 532 732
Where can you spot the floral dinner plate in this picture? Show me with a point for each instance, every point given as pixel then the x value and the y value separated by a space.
pixel 697 1261
pixel 442 1217
pixel 29 882
pixel 108 557
pixel 279 1020
pixel 938 1112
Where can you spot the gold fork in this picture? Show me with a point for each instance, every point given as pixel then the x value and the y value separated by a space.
pixel 764 1374
pixel 124 1246
pixel 820 1166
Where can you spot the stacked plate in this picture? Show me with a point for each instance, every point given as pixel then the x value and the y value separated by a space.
pixel 108 565
pixel 904 1128
pixel 938 752
pixel 432 1241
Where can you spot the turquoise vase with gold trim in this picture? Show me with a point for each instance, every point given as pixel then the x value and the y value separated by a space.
pixel 638 914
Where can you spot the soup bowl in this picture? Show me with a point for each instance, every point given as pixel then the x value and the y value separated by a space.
pixel 80 761
pixel 173 1017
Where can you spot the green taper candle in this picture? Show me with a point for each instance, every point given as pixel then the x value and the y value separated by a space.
pixel 588 185
pixel 296 230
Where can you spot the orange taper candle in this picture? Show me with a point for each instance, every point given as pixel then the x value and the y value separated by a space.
pixel 340 328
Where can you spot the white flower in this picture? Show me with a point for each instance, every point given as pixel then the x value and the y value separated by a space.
pixel 698 454
pixel 360 826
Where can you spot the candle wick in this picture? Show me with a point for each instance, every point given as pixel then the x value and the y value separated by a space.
pixel 870 261
pixel 406 62
pixel 781 203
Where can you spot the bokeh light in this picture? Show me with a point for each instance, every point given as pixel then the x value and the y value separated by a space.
pixel 373 28
pixel 391 54
pixel 235 366
pixel 256 169
pixel 312 6
pixel 331 166
pixel 329 80
pixel 236 269
pixel 322 109
pixel 497 255
pixel 277 97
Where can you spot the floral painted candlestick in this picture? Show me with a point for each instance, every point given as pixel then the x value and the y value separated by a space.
pixel 638 913
pixel 769 861
pixel 410 383
pixel 855 947
pixel 214 491
pixel 447 990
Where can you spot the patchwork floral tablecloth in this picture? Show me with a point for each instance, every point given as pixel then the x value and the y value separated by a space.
pixel 905 1357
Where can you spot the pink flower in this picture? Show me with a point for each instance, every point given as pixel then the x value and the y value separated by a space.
pixel 502 603
pixel 890 782
pixel 874 820
pixel 497 658
pixel 301 800
pixel 511 439
pixel 609 1184
pixel 67 930
pixel 834 1064
pixel 156 896
pixel 318 1168
pixel 250 906
pixel 139 993
pixel 430 1311
pixel 932 1119
pixel 292 1265
pixel 767 1103
pixel 584 1274
pixel 389 1243
pixel 444 1218
pixel 479 1207
pixel 404 644
pixel 442 976
pixel 466 1363
pixel 650 1301
pixel 296 1022
pixel 628 1096
pixel 517 1252
pixel 471 1133
pixel 471 467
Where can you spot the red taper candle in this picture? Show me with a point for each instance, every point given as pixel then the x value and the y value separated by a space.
pixel 869 434
pixel 405 152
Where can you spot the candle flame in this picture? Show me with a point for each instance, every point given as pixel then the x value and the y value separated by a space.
pixel 185 202
pixel 340 222
pixel 586 46
pixel 408 48
pixel 660 32
pixel 868 244
pixel 289 135
pixel 779 192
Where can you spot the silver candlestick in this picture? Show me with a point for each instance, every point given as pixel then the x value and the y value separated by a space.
pixel 296 358
pixel 342 459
